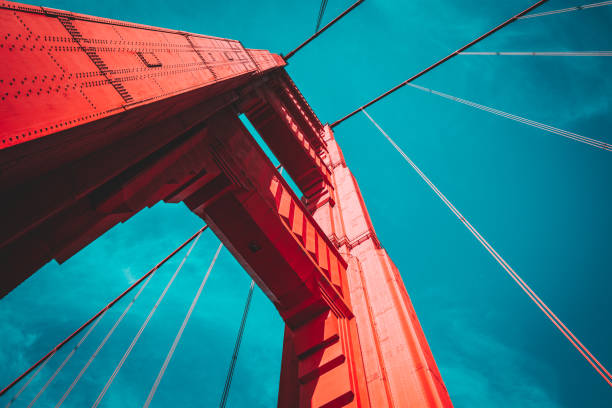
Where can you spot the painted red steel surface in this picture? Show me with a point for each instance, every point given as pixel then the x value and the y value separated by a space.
pixel 72 88
pixel 100 67
pixel 271 233
pixel 399 365
pixel 101 118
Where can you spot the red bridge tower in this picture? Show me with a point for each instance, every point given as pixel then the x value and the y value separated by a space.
pixel 101 118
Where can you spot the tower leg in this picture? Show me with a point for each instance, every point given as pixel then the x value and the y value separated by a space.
pixel 398 363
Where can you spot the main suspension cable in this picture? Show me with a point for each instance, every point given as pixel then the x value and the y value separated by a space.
pixel 565 10
pixel 321 31
pixel 177 338
pixel 551 129
pixel 440 62
pixel 143 326
pixel 98 314
pixel 232 366
pixel 532 295
pixel 544 53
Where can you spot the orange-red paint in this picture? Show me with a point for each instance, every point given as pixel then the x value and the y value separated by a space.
pixel 104 118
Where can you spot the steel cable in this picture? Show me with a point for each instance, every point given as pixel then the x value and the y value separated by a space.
pixel 548 128
pixel 102 343
pixel 245 314
pixel 440 62
pixel 599 368
pixel 66 359
pixel 565 10
pixel 322 8
pixel 142 327
pixel 544 53
pixel 22 389
pixel 148 277
pixel 322 30
pixel 177 338
pixel 230 371
pixel 46 357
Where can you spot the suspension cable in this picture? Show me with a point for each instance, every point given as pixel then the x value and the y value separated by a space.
pixel 544 54
pixel 230 372
pixel 102 343
pixel 25 385
pixel 551 129
pixel 322 8
pixel 245 314
pixel 532 295
pixel 142 327
pixel 565 10
pixel 66 359
pixel 114 327
pixel 94 317
pixel 440 62
pixel 321 31
pixel 177 338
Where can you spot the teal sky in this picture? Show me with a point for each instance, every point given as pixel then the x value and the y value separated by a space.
pixel 541 200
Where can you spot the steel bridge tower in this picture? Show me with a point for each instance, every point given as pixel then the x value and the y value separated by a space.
pixel 101 118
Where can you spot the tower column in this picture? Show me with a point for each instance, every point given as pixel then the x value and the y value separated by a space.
pixel 399 366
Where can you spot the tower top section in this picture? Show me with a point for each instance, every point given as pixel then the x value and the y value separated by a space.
pixel 74 69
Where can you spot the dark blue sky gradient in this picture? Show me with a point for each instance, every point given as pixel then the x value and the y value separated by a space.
pixel 541 200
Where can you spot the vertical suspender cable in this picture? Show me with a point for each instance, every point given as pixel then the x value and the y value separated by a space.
pixel 551 129
pixel 230 371
pixel 601 370
pixel 143 326
pixel 94 317
pixel 177 338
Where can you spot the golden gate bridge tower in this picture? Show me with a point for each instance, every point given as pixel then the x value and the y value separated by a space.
pixel 101 118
